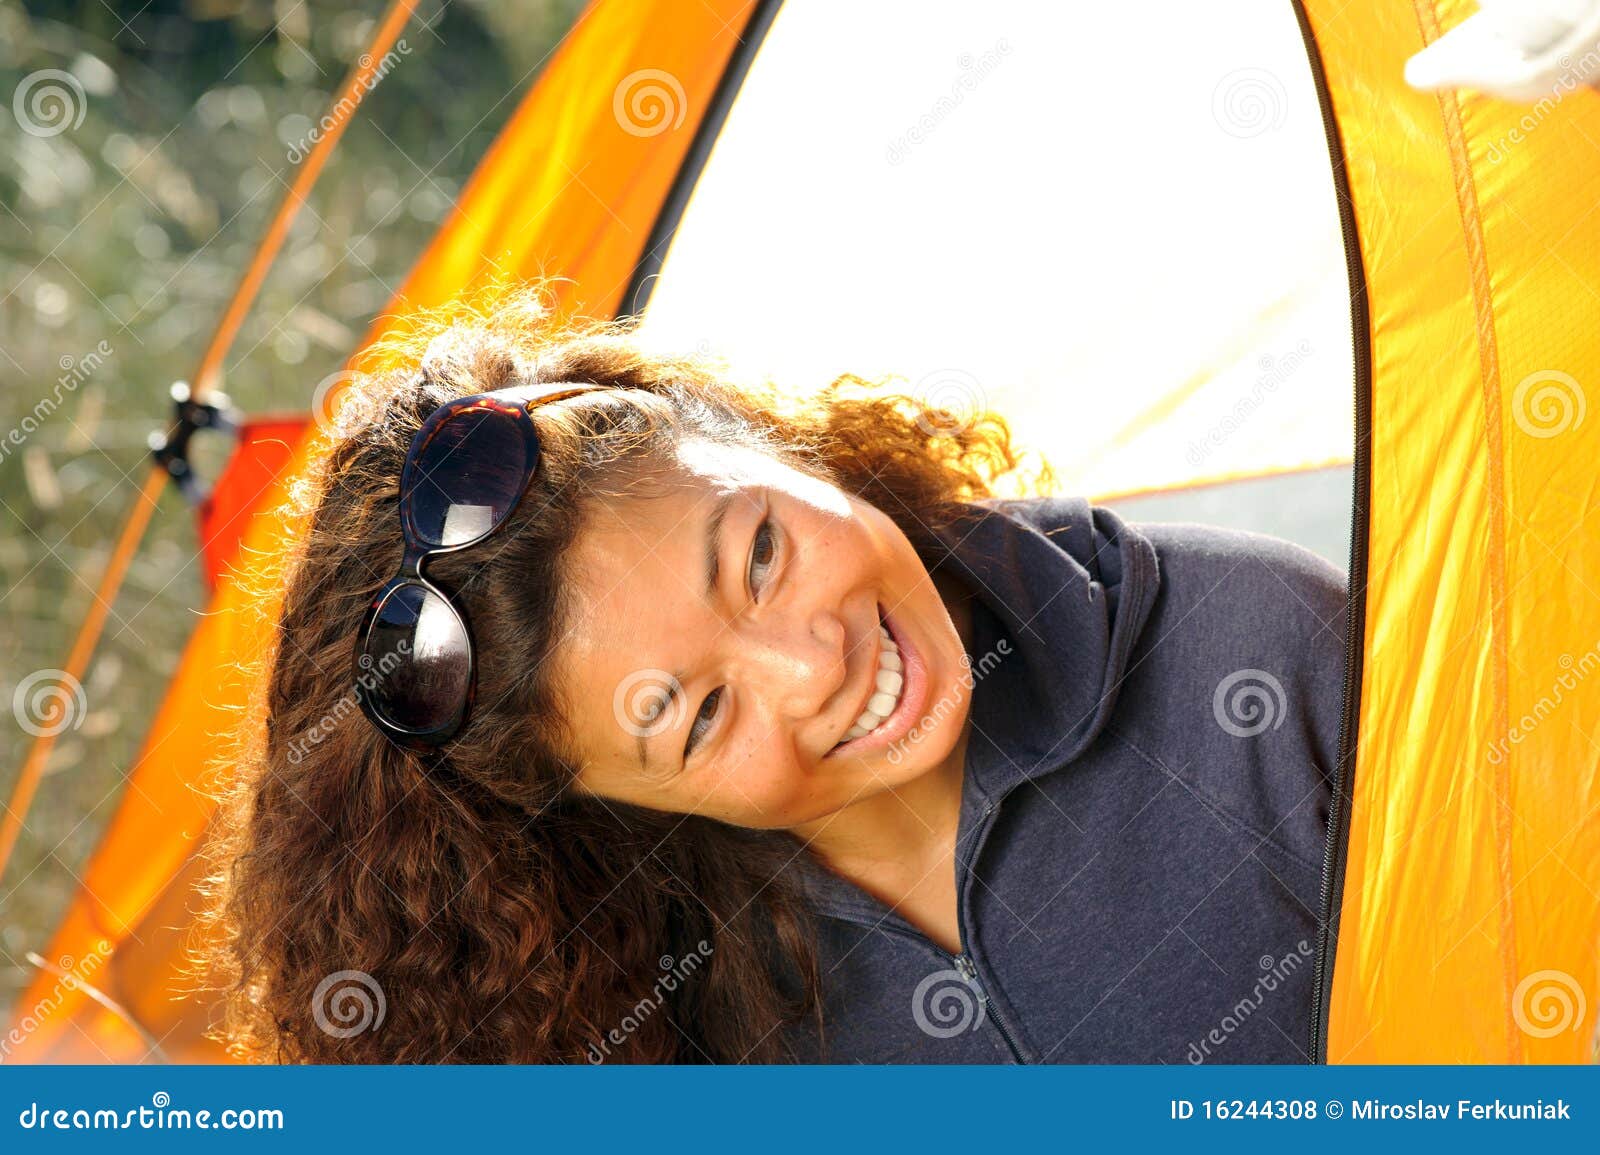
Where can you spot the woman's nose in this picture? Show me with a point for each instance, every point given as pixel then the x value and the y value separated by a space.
pixel 796 665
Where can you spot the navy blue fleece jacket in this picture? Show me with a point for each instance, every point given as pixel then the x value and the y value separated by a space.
pixel 1155 718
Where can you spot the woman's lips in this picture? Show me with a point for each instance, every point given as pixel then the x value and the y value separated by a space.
pixel 908 710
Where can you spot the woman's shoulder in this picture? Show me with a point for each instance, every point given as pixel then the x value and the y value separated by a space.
pixel 1240 674
pixel 1252 601
pixel 1195 559
pixel 1217 551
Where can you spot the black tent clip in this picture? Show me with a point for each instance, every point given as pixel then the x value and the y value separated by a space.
pixel 171 449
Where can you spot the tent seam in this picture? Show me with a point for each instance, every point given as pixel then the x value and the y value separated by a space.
pixel 1494 445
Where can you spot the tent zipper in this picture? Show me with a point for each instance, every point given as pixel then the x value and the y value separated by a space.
pixel 1338 837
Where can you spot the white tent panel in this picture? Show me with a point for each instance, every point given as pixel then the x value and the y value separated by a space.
pixel 1126 242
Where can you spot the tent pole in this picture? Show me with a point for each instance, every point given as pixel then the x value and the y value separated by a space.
pixel 204 380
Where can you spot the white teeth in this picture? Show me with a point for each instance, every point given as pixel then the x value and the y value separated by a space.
pixel 890 682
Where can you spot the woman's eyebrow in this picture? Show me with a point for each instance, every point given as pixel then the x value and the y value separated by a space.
pixel 719 512
pixel 644 736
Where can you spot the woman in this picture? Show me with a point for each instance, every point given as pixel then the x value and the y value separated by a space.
pixel 703 724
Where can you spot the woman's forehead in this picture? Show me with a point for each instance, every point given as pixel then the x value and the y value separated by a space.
pixel 639 542
pixel 630 572
pixel 632 609
pixel 752 467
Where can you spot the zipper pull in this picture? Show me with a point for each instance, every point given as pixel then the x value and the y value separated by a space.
pixel 969 972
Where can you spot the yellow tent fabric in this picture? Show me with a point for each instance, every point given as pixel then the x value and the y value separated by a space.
pixel 1469 896
pixel 1471 906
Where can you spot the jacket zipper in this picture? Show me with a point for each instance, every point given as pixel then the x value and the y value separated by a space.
pixel 962 962
pixel 969 971
pixel 1336 848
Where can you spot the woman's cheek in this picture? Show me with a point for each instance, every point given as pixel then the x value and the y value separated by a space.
pixel 764 799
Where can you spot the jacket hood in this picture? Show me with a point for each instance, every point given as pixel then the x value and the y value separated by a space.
pixel 1063 591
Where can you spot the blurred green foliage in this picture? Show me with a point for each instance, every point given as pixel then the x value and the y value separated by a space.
pixel 143 148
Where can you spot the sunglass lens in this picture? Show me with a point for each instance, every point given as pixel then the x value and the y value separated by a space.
pixel 467 477
pixel 416 668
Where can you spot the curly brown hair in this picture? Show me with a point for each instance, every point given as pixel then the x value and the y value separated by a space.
pixel 501 916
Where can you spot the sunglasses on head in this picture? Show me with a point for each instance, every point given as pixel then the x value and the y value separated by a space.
pixel 466 470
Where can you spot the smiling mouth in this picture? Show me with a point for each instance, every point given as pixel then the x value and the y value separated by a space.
pixel 889 686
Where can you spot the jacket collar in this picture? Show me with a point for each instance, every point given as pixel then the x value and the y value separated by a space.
pixel 1067 587
pixel 1062 591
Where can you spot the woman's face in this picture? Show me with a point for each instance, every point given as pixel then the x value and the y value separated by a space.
pixel 725 647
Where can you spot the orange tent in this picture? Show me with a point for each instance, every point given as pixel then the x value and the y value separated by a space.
pixel 951 219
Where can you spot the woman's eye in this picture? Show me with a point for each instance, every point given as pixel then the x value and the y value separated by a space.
pixel 763 552
pixel 702 722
